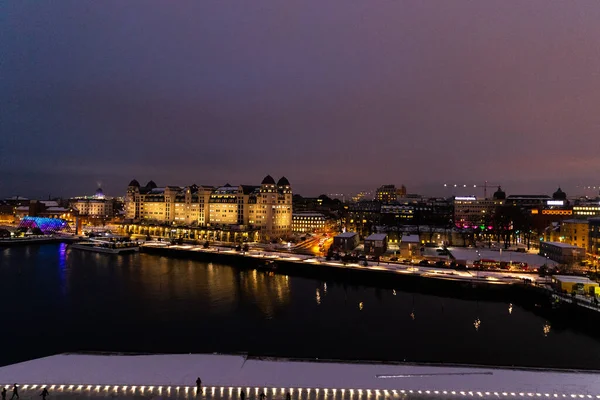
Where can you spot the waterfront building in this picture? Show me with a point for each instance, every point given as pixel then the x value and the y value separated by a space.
pixel 376 244
pixel 575 232
pixel 409 246
pixel 575 284
pixel 96 206
pixel 267 207
pixel 562 252
pixel 308 222
pixel 346 241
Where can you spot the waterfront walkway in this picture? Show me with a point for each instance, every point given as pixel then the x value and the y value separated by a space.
pixel 492 277
pixel 173 376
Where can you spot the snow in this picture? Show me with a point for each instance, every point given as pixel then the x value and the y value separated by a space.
pixel 469 254
pixel 237 371
pixel 410 239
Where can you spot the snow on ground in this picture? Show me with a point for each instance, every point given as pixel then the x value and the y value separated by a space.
pixel 470 254
pixel 237 371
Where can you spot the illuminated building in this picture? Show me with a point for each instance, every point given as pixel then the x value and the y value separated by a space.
pixel 267 207
pixel 586 210
pixel 308 222
pixel 575 232
pixel 386 193
pixel 46 225
pixel 470 211
pixel 376 244
pixel 594 236
pixel 562 252
pixel 96 206
pixel 346 241
pixel 528 201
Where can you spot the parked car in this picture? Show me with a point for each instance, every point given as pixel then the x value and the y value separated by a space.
pixel 394 259
pixel 423 263
pixel 441 264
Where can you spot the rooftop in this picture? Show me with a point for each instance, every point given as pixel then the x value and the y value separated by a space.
pixel 570 278
pixel 410 239
pixel 346 235
pixel 575 221
pixel 307 214
pixel 376 236
pixel 562 245
pixel 302 378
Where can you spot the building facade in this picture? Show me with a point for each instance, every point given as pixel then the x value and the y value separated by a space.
pixel 594 236
pixel 562 252
pixel 267 207
pixel 96 206
pixel 308 222
pixel 471 211
pixel 575 232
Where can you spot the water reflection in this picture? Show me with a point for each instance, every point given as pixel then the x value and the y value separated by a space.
pixel 143 303
pixel 62 267
pixel 546 329
pixel 477 324
pixel 267 290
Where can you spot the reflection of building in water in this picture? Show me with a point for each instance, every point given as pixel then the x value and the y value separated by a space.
pixel 221 288
pixel 269 291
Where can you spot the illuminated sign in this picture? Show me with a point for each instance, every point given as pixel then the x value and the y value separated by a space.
pixel 465 198
pixel 555 202
pixel 557 212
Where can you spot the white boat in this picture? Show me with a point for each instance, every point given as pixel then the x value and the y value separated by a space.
pixel 100 246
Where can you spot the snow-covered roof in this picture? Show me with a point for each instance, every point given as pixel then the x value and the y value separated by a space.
pixel 574 279
pixel 224 371
pixel 470 254
pixel 56 209
pixel 561 245
pixel 376 236
pixel 574 221
pixel 22 208
pixel 410 239
pixel 49 203
pixel 346 235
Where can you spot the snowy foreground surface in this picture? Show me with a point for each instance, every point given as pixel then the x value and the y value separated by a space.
pixel 219 373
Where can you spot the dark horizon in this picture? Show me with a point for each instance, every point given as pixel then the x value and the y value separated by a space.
pixel 336 96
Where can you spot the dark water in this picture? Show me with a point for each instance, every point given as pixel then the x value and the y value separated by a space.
pixel 55 300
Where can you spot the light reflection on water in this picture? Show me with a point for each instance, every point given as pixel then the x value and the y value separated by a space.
pixel 145 303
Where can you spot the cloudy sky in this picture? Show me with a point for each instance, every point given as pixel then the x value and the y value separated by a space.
pixel 337 95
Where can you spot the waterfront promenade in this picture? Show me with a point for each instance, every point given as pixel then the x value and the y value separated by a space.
pixel 225 376
pixel 490 277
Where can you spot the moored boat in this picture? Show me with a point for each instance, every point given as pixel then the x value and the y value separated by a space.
pixel 100 246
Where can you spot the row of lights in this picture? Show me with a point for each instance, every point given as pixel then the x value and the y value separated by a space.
pixel 377 392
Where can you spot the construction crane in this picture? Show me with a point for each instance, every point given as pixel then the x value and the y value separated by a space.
pixel 485 186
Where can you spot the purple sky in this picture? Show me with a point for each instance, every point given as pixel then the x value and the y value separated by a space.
pixel 337 95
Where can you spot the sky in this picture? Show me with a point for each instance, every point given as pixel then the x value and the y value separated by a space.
pixel 337 95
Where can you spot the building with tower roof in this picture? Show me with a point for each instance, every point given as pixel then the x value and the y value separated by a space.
pixel 97 206
pixel 266 208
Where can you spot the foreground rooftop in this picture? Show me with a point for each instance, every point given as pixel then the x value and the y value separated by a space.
pixel 223 376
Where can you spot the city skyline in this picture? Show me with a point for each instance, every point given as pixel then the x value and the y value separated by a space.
pixel 338 97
